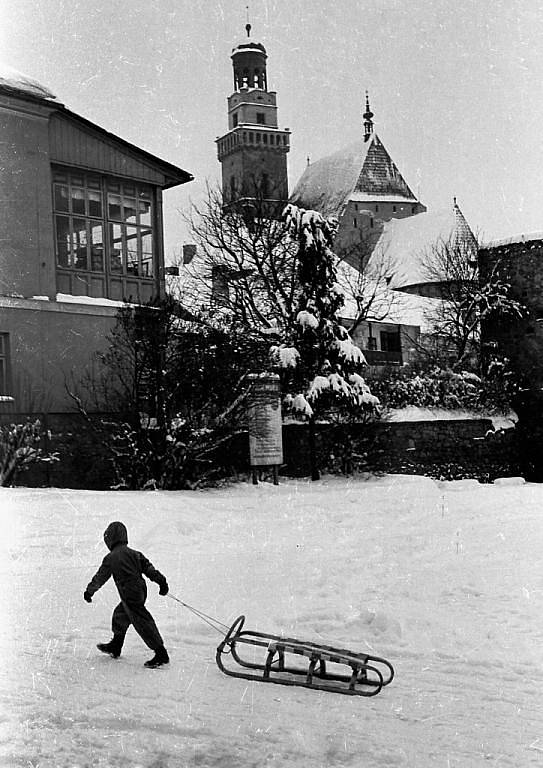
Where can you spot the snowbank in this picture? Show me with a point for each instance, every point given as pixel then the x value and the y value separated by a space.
pixel 444 579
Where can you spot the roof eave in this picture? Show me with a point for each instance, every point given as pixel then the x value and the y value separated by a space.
pixel 173 174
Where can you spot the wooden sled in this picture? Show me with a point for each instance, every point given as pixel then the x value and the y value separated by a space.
pixel 368 674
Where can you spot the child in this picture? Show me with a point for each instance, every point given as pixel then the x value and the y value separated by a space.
pixel 126 565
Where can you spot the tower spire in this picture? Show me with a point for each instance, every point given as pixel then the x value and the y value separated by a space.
pixel 368 122
pixel 248 24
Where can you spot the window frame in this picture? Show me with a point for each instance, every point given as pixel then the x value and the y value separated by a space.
pixel 5 365
pixel 135 221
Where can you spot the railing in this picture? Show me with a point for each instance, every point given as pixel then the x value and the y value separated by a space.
pixel 378 357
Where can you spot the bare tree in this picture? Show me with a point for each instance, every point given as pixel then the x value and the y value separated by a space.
pixel 247 267
pixel 364 274
pixel 463 298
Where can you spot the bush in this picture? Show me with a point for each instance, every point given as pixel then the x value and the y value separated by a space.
pixel 19 447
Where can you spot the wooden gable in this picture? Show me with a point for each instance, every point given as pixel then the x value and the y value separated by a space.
pixel 78 143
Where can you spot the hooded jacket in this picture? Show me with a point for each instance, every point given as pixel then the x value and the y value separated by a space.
pixel 126 565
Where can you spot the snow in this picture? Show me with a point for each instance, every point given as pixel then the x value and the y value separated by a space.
pixel 416 413
pixel 514 240
pixel 307 319
pixel 96 301
pixel 14 80
pixel 287 357
pixel 443 579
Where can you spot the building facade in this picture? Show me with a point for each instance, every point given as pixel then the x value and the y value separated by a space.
pixel 81 233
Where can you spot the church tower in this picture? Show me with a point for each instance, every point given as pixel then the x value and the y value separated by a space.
pixel 253 153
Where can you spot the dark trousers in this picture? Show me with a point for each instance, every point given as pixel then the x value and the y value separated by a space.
pixel 133 611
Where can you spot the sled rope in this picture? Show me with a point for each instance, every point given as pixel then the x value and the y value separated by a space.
pixel 214 623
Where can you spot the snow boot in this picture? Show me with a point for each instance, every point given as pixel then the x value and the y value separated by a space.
pixel 161 657
pixel 113 648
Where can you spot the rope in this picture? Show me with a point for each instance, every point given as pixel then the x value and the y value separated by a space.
pixel 201 615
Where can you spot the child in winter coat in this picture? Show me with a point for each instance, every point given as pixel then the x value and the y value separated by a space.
pixel 126 565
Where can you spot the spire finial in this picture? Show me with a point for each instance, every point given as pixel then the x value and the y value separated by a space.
pixel 248 25
pixel 368 123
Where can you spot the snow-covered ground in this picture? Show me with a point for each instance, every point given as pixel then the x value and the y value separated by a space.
pixel 443 579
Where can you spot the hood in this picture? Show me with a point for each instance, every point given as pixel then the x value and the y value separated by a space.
pixel 114 534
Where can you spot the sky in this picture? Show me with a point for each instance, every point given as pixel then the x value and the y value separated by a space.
pixel 455 87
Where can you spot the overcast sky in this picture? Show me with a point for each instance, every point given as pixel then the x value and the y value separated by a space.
pixel 456 87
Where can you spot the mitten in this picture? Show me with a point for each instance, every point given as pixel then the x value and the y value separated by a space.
pixel 87 596
pixel 164 588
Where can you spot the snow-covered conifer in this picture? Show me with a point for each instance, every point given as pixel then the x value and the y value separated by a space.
pixel 325 375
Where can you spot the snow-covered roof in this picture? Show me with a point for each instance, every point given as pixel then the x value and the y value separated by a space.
pixel 405 242
pixel 363 171
pixel 13 80
pixel 514 240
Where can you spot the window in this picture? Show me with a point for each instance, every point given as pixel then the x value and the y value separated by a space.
pixel 103 235
pixel 261 118
pixel 355 223
pixel 4 364
pixel 394 208
pixel 235 119
pixel 390 341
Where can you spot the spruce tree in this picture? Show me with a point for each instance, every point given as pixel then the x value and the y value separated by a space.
pixel 319 363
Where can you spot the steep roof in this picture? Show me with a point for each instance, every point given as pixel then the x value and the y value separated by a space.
pixel 405 244
pixel 363 171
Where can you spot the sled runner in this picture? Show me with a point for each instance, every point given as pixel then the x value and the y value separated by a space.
pixel 368 674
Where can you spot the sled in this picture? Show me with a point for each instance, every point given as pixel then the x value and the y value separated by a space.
pixel 367 676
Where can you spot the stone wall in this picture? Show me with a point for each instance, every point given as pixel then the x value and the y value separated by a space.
pixel 446 449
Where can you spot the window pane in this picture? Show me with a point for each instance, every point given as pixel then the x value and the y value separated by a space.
pixel 95 204
pixel 78 201
pixel 2 344
pixel 60 177
pixel 80 243
pixel 132 265
pixel 113 186
pixel 61 198
pixel 93 182
pixel 3 382
pixel 145 212
pixel 129 190
pixel 77 181
pixel 97 247
pixel 63 241
pixel 114 206
pixel 115 247
pixel 129 210
pixel 147 253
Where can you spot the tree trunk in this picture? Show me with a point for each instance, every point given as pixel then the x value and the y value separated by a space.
pixel 315 474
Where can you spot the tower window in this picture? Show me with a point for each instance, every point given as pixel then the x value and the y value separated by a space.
pixel 355 223
pixel 235 119
pixel 261 118
pixel 394 209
